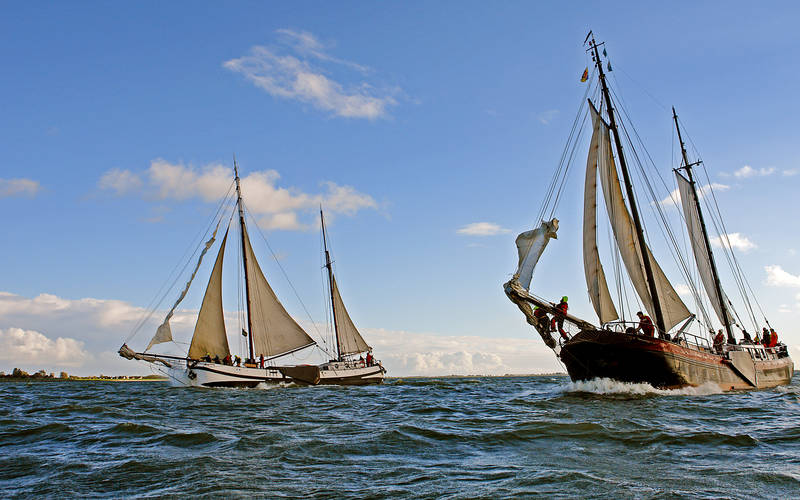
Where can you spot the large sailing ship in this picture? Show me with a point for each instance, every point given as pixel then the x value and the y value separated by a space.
pixel 672 357
pixel 271 332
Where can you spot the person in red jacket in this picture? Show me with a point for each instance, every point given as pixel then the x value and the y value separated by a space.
pixel 773 338
pixel 559 316
pixel 645 325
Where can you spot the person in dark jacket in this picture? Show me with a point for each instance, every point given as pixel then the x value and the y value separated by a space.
pixel 645 325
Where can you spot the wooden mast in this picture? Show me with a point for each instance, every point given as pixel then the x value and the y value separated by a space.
pixel 330 284
pixel 251 357
pixel 660 324
pixel 718 288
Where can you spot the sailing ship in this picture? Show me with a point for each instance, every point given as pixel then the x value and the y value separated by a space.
pixel 672 357
pixel 272 333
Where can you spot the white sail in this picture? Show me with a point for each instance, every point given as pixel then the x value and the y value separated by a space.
pixel 274 331
pixel 350 341
pixel 699 248
pixel 530 246
pixel 164 332
pixel 209 332
pixel 673 309
pixel 595 277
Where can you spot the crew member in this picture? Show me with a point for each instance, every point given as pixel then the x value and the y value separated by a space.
pixel 747 338
pixel 765 337
pixel 369 358
pixel 559 316
pixel 541 317
pixel 773 338
pixel 261 361
pixel 645 325
pixel 719 341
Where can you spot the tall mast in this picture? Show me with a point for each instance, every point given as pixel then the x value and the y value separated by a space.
pixel 330 283
pixel 244 260
pixel 629 189
pixel 688 167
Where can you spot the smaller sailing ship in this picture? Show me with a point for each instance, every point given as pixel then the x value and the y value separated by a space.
pixel 271 331
pixel 673 357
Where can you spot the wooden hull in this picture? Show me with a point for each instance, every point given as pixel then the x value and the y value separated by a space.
pixel 664 364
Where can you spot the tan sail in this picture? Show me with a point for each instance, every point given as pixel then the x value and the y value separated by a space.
pixel 530 246
pixel 209 332
pixel 274 331
pixel 164 332
pixel 672 307
pixel 699 248
pixel 350 341
pixel 593 269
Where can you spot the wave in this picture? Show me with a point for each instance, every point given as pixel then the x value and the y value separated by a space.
pixel 608 386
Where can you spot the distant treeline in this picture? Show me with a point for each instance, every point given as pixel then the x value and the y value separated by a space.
pixel 43 376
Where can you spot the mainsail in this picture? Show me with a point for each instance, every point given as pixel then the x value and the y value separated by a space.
pixel 274 331
pixel 672 307
pixel 530 246
pixel 164 332
pixel 209 332
pixel 700 250
pixel 595 277
pixel 350 341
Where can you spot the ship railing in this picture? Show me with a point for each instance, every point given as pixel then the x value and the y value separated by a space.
pixel 685 339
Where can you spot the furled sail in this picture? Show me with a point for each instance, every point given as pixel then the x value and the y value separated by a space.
pixel 530 246
pixel 595 277
pixel 274 331
pixel 700 250
pixel 209 332
pixel 672 307
pixel 350 341
pixel 164 332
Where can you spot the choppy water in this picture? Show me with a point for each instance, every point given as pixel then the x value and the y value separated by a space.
pixel 416 438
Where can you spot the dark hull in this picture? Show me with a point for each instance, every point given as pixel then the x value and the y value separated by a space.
pixel 665 364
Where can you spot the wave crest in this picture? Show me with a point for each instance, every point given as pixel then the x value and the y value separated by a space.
pixel 610 386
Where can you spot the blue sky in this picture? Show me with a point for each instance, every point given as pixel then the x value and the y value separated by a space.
pixel 425 117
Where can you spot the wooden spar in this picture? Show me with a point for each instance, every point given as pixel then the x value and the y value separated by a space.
pixel 718 288
pixel 244 260
pixel 330 283
pixel 631 198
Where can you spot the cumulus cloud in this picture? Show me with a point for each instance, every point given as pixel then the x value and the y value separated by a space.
pixel 737 241
pixel 18 187
pixel 88 332
pixel 482 229
pixel 297 71
pixel 747 171
pixel 29 347
pixel 776 276
pixel 790 172
pixel 272 206
pixel 409 353
pixel 674 197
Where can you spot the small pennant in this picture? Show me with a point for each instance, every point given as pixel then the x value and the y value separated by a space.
pixel 585 75
pixel 605 54
pixel 609 66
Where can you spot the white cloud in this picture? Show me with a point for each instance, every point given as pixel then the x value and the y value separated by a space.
pixel 674 197
pixel 545 117
pixel 737 240
pixel 296 75
pixel 90 331
pixel 748 171
pixel 29 347
pixel 683 290
pixel 120 181
pixel 273 207
pixel 18 187
pixel 407 353
pixel 482 229
pixel 776 276
pixel 790 172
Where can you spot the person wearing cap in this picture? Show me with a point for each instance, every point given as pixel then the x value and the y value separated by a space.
pixel 645 324
pixel 559 316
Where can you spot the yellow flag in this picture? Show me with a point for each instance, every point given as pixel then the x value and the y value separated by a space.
pixel 585 75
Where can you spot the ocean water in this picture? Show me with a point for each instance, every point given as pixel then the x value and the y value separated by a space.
pixel 466 437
